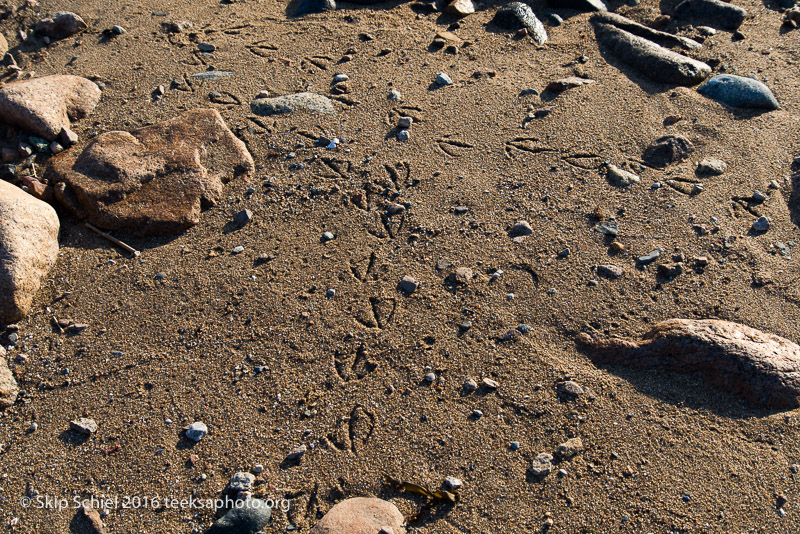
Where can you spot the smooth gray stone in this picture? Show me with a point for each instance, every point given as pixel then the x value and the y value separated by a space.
pixel 310 102
pixel 517 15
pixel 252 516
pixel 714 13
pixel 656 62
pixel 307 7
pixel 660 38
pixel 739 92
pixel 580 5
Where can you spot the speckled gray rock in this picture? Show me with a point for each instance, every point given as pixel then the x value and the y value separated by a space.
pixel 28 249
pixel 739 92
pixel 517 15
pixel 760 367
pixel 650 59
pixel 60 25
pixel 714 13
pixel 241 481
pixel 361 515
pixel 44 106
pixel 8 386
pixel 246 517
pixel 310 102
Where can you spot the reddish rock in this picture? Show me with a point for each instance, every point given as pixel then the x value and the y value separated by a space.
pixel 38 189
pixel 154 180
pixel 28 249
pixel 759 367
pixel 361 515
pixel 43 106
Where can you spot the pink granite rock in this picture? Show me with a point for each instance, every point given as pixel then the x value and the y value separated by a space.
pixel 43 106
pixel 760 367
pixel 154 180
pixel 361 515
pixel 28 249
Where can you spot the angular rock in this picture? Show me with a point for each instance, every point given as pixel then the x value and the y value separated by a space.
pixel 579 5
pixel 309 102
pixel 245 517
pixel 711 167
pixel 154 180
pixel 760 367
pixel 569 448
pixel 241 481
pixel 571 82
pixel 87 521
pixel 361 515
pixel 84 425
pixel 612 272
pixel 668 150
pixel 620 177
pixel 307 7
pixel 408 284
pixel 461 7
pixel 652 60
pixel 8 386
pixel 739 92
pixel 461 276
pixel 714 13
pixel 196 431
pixel 296 454
pixel 44 106
pixel 3 45
pixel 60 25
pixel 28 249
pixel 570 388
pixel 542 465
pixel 664 39
pixel 517 15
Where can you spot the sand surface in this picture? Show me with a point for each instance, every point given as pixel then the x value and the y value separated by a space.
pixel 345 374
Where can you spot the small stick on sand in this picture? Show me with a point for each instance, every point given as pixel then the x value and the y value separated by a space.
pixel 112 239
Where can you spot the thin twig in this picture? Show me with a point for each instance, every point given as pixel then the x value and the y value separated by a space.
pixel 112 239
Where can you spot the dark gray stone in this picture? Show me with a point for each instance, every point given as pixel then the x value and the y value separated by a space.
pixel 579 5
pixel 668 150
pixel 246 517
pixel 739 92
pixel 307 7
pixel 517 15
pixel 660 38
pixel 714 13
pixel 652 60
